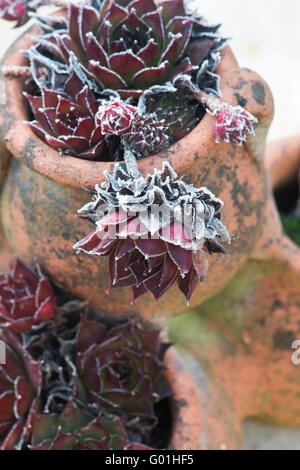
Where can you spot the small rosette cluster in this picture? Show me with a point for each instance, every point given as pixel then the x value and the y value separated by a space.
pixel 142 133
pixel 156 231
pixel 66 121
pixel 234 125
pixel 75 123
pixel 72 383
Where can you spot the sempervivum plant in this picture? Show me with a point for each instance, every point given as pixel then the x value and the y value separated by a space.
pixel 156 231
pixel 19 385
pixel 131 45
pixel 26 298
pixel 140 131
pixel 66 119
pixel 76 429
pixel 122 49
pixel 122 370
pixel 74 383
pixel 234 124
pixel 175 106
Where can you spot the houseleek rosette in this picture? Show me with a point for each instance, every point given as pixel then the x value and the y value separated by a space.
pixel 155 230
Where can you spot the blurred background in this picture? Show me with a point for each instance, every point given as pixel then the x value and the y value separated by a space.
pixel 265 37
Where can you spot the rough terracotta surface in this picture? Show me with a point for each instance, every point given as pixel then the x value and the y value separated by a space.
pixel 242 338
pixel 236 338
pixel 185 403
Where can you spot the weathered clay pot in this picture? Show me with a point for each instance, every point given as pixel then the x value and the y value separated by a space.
pixel 240 341
pixel 43 191
pixel 186 422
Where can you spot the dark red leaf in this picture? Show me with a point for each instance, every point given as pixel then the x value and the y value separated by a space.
pixel 107 78
pixel 155 21
pixel 94 51
pixel 150 76
pixel 126 64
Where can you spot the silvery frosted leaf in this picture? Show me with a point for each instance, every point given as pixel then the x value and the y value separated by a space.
pixel 162 229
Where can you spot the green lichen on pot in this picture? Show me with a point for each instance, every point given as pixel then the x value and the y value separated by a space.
pixel 291 225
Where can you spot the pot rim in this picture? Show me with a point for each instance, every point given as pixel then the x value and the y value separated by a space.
pixel 185 404
pixel 22 142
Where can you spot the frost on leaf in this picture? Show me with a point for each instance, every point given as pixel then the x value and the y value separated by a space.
pixel 72 382
pixel 234 125
pixel 156 231
pixel 19 10
pixel 123 49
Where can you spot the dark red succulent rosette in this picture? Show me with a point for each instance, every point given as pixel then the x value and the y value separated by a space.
pixel 144 264
pixel 122 370
pixel 148 135
pixel 26 298
pixel 131 45
pixel 234 125
pixel 116 118
pixel 16 394
pixel 66 120
pixel 176 108
pixel 147 257
pixel 20 387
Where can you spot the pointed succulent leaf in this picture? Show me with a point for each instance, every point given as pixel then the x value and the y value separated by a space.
pixel 75 429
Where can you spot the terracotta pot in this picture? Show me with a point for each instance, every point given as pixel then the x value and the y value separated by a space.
pixel 43 191
pixel 185 404
pixel 242 339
